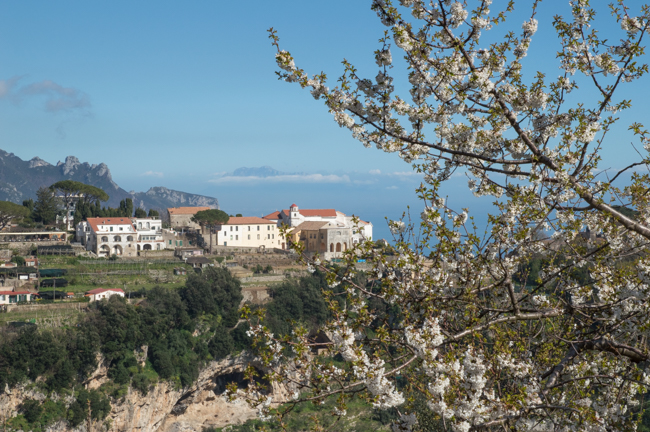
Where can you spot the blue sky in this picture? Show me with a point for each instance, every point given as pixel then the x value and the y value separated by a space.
pixel 178 93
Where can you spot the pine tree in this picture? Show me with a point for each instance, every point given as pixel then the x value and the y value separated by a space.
pixel 45 208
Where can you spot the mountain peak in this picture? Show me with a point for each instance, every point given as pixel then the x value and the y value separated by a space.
pixel 38 162
pixel 21 179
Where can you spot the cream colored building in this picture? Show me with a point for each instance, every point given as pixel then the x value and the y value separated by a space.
pixel 328 232
pixel 248 231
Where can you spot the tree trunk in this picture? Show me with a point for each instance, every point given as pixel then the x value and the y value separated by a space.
pixel 210 227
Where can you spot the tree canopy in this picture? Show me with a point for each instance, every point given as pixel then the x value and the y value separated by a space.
pixel 484 345
pixel 10 211
pixel 70 188
pixel 210 217
pixel 45 208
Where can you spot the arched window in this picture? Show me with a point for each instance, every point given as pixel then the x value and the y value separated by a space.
pixel 331 247
pixel 117 238
pixel 129 238
pixel 345 246
pixel 338 247
pixel 140 225
pixel 148 225
pixel 104 239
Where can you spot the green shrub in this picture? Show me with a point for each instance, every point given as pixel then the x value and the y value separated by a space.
pixel 99 406
pixel 31 409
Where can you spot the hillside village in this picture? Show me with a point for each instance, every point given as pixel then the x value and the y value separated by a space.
pixel 60 275
pixel 243 243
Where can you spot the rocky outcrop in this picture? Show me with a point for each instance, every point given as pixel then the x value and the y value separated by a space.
pixel 37 162
pixel 166 198
pixel 166 408
pixel 19 180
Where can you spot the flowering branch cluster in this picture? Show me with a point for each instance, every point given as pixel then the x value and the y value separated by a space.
pixel 510 328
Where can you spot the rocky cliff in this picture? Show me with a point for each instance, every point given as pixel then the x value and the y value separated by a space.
pixel 19 180
pixel 165 408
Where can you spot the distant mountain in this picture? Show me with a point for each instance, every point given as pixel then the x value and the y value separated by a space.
pixel 264 171
pixel 19 180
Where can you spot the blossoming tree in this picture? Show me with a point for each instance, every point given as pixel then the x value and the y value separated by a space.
pixel 484 339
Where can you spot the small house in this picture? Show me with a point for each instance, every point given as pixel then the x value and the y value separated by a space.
pixel 186 252
pixel 200 262
pixel 10 297
pixel 180 271
pixel 31 262
pixel 104 293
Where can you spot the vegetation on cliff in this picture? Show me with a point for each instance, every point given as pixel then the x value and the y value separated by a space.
pixel 167 336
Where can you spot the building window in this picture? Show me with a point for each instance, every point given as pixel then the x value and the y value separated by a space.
pixel 249 236
pixel 269 236
pixel 258 236
pixel 236 237
pixel 236 228
pixel 121 229
pixel 273 236
pixel 268 227
pixel 230 228
pixel 170 242
pixel 230 237
pixel 181 242
pixel 110 229
pixel 249 228
pixel 258 228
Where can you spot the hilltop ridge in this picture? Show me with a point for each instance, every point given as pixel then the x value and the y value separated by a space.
pixel 19 180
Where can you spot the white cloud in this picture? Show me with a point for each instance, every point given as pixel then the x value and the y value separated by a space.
pixel 288 178
pixel 152 174
pixel 375 171
pixel 405 173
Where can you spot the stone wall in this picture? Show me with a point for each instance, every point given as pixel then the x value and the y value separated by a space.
pixel 23 248
pixel 167 253
pixel 46 307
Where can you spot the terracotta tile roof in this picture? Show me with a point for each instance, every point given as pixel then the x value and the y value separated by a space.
pixel 186 210
pixel 311 213
pixel 15 292
pixel 248 220
pixel 275 215
pixel 310 226
pixel 101 290
pixel 95 222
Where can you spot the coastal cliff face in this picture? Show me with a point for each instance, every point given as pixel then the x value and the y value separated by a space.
pixel 165 408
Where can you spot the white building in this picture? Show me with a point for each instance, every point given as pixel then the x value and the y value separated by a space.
pixel 346 230
pixel 104 293
pixel 150 233
pixel 121 236
pixel 248 231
